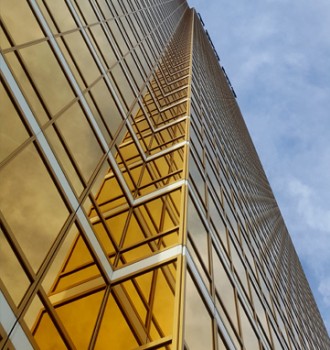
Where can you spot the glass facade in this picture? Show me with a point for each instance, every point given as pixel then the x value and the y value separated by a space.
pixel 135 213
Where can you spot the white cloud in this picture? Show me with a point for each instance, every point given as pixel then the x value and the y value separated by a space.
pixel 308 221
pixel 314 215
pixel 324 289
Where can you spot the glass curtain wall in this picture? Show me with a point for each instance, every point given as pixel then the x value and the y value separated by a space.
pixel 135 213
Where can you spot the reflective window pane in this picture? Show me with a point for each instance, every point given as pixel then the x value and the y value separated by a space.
pixel 198 330
pixel 29 199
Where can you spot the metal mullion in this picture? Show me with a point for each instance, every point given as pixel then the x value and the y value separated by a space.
pixel 70 156
pixel 174 76
pixel 129 140
pixel 95 55
pixel 125 72
pixel 142 135
pixel 178 89
pixel 150 216
pixel 23 262
pixel 74 60
pixel 62 233
pixel 182 64
pixel 175 99
pixel 130 75
pixel 170 99
pixel 123 235
pixel 53 18
pixel 163 213
pixel 229 319
pixel 167 105
pixel 156 101
pixel 123 32
pixel 126 164
pixel 57 279
pixel 132 28
pixel 127 308
pixel 232 277
pixel 152 99
pixel 200 259
pixel 142 218
pixel 99 319
pixel 139 65
pixel 133 165
pixel 154 182
pixel 179 290
pixel 146 264
pixel 96 44
pixel 139 291
pixel 172 216
pixel 139 116
pixel 170 124
pixel 159 84
pixel 163 342
pixel 145 229
pixel 148 146
pixel 19 149
pixel 163 178
pixel 33 85
pixel 169 121
pixel 12 329
pixel 96 207
pixel 135 139
pixel 169 154
pixel 88 90
pixel 204 294
pixel 162 145
pixel 73 271
pixel 150 239
pixel 170 279
pixel 151 300
pixel 175 104
pixel 83 26
pixel 136 191
pixel 55 319
pixel 100 205
pixel 75 292
pixel 165 274
pixel 23 46
pixel 56 169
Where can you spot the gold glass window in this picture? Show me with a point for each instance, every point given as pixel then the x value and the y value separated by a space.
pixel 29 198
pixel 197 330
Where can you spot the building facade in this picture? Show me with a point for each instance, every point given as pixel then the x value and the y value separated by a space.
pixel 135 213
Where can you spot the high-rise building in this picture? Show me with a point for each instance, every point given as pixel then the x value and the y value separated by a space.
pixel 135 211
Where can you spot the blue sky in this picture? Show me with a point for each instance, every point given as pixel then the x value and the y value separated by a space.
pixel 277 56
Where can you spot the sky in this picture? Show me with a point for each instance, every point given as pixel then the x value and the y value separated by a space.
pixel 277 56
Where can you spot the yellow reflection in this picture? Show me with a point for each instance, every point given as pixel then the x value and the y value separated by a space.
pixel 198 323
pixel 47 336
pixel 48 76
pixel 20 21
pixel 26 180
pixel 142 309
pixel 138 311
pixel 115 333
pixel 12 130
pixel 78 268
pixel 11 271
pixel 79 317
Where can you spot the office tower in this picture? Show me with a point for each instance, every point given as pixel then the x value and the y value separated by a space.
pixel 135 211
